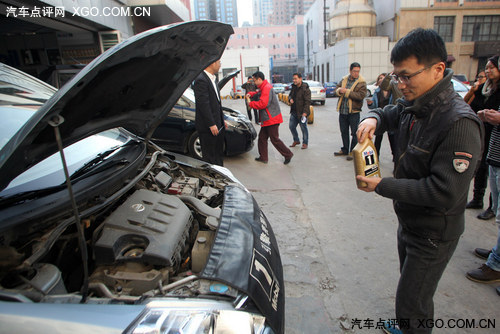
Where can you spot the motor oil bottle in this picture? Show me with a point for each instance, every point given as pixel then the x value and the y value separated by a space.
pixel 365 161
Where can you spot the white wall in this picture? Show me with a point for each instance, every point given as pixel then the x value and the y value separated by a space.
pixel 372 53
pixel 241 58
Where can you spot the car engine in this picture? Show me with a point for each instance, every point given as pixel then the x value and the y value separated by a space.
pixel 152 241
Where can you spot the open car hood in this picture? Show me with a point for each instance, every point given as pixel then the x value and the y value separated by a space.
pixel 132 85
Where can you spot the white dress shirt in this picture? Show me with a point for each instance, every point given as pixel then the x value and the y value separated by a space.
pixel 212 78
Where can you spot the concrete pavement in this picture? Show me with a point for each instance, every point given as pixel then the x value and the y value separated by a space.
pixel 338 244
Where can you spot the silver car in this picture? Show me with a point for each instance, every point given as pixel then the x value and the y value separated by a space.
pixel 102 231
pixel 318 92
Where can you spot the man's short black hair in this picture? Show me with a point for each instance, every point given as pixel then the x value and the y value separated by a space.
pixel 353 65
pixel 249 77
pixel 425 44
pixel 298 74
pixel 259 75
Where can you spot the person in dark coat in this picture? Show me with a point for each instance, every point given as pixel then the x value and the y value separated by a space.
pixel 209 119
pixel 439 142
pixel 249 86
pixel 300 100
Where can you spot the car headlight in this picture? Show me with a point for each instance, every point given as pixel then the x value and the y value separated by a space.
pixel 204 317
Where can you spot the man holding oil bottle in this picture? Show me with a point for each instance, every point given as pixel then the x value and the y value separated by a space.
pixel 438 149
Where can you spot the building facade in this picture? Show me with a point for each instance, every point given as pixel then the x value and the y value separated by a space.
pixel 38 35
pixel 470 28
pixel 284 42
pixel 262 9
pixel 217 10
pixel 284 11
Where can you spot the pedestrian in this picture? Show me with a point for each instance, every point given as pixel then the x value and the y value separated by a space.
pixel 438 148
pixel 270 118
pixel 351 91
pixel 487 96
pixel 381 98
pixel 480 79
pixel 249 86
pixel 300 104
pixel 489 272
pixel 209 118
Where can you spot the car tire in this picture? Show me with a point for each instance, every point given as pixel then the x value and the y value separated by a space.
pixel 194 146
pixel 322 103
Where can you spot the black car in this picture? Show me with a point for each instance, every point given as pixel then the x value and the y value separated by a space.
pixel 103 231
pixel 178 132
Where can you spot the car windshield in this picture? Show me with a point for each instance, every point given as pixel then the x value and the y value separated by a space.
pixel 458 86
pixel 20 98
pixel 314 84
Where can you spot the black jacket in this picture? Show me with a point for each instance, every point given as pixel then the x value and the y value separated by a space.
pixel 208 106
pixel 301 97
pixel 439 146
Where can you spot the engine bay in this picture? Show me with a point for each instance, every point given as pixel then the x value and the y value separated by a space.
pixel 152 241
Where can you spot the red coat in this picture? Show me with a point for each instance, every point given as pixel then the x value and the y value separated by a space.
pixel 269 115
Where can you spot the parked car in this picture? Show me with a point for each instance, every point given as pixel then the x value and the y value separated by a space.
pixel 318 92
pixel 237 93
pixel 462 78
pixel 330 88
pixel 279 88
pixel 460 88
pixel 370 88
pixel 126 237
pixel 178 131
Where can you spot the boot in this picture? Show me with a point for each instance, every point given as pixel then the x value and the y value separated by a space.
pixel 477 200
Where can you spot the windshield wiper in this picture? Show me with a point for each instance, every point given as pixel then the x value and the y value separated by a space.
pixel 31 194
pixel 92 163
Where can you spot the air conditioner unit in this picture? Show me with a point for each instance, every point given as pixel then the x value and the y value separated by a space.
pixel 108 39
pixel 431 3
pixel 460 2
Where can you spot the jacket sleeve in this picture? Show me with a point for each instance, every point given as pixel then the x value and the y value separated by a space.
pixel 374 99
pixel 307 101
pixel 358 93
pixel 444 186
pixel 264 99
pixel 202 100
pixel 339 85
pixel 387 118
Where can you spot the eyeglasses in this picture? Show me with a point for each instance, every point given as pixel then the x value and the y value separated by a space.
pixel 405 79
pixel 480 77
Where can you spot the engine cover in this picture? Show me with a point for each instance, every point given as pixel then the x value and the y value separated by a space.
pixel 148 227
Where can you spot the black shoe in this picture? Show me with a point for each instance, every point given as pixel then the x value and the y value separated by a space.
pixel 287 160
pixel 474 204
pixel 486 214
pixel 482 253
pixel 260 160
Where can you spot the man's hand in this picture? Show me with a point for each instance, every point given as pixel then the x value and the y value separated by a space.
pixel 291 101
pixel 372 183
pixel 342 90
pixel 214 130
pixel 366 129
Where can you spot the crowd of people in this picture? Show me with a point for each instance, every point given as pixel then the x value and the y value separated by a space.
pixel 439 142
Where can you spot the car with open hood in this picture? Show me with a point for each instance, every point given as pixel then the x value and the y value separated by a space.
pixel 101 229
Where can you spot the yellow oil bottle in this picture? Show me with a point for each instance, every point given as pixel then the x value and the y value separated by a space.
pixel 365 161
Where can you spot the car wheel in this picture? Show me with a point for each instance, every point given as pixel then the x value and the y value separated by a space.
pixel 194 146
pixel 322 103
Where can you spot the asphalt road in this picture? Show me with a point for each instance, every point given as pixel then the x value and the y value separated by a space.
pixel 338 244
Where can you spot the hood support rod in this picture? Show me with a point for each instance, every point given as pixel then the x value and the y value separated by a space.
pixel 55 122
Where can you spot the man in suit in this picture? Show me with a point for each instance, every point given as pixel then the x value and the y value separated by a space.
pixel 209 120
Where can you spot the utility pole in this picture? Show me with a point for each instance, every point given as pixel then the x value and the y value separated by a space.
pixel 325 20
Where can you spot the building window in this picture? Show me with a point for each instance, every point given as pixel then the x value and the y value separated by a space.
pixel 481 28
pixel 444 25
pixel 446 0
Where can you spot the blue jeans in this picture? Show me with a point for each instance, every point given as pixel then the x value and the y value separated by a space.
pixel 494 259
pixel 346 122
pixel 294 120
